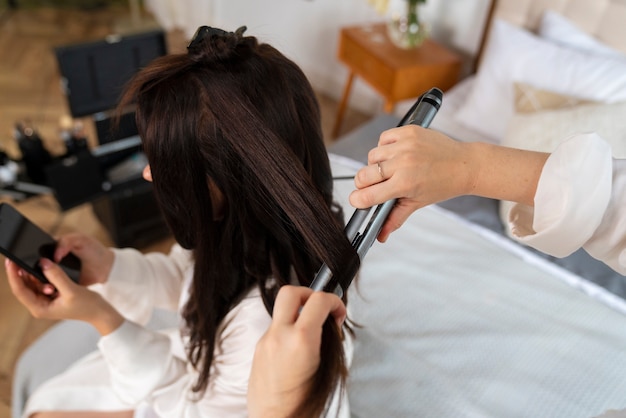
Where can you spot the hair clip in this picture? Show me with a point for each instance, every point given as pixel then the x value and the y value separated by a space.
pixel 203 31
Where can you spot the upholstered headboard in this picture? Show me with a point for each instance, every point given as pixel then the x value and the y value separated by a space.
pixel 604 19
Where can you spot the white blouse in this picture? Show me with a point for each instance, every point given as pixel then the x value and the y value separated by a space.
pixel 580 202
pixel 148 371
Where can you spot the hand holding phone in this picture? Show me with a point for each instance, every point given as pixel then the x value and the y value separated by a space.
pixel 25 244
pixel 71 301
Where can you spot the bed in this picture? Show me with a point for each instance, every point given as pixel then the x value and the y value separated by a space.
pixel 456 319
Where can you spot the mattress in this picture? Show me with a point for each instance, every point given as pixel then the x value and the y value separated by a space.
pixel 453 322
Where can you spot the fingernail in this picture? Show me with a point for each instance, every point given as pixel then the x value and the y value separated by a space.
pixel 45 263
pixel 48 289
pixel 341 320
pixel 7 262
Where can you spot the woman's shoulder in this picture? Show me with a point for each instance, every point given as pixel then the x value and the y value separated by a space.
pixel 248 316
pixel 238 335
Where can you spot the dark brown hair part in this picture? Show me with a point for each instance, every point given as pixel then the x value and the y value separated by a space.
pixel 241 115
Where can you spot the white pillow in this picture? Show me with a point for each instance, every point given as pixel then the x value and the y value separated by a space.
pixel 559 29
pixel 545 130
pixel 516 55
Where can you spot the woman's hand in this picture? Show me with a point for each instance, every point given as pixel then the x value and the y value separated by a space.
pixel 96 259
pixel 418 166
pixel 70 301
pixel 421 166
pixel 288 355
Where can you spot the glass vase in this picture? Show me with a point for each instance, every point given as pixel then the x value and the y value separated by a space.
pixel 404 28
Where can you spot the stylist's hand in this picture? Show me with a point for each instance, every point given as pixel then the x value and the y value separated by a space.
pixel 71 301
pixel 288 355
pixel 418 166
pixel 96 259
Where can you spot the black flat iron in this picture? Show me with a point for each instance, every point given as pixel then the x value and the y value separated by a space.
pixel 421 113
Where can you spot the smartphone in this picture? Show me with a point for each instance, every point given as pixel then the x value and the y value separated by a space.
pixel 25 244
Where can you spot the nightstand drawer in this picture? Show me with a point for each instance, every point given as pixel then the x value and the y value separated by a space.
pixel 367 66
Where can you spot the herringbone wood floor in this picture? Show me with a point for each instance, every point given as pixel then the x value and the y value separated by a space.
pixel 29 89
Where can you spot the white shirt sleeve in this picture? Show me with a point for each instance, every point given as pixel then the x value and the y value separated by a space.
pixel 145 369
pixel 577 204
pixel 608 243
pixel 138 282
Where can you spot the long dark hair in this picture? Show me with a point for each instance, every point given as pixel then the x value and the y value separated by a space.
pixel 237 115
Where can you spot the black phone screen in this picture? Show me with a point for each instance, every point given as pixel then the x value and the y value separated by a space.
pixel 25 243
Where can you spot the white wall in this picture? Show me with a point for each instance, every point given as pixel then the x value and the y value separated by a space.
pixel 307 31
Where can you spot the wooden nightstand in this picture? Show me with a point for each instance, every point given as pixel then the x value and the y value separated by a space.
pixel 395 73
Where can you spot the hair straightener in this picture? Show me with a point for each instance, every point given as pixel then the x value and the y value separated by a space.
pixel 421 113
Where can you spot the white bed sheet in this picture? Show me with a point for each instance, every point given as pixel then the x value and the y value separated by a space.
pixel 455 324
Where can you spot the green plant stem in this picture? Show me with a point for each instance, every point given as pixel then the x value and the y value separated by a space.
pixel 413 21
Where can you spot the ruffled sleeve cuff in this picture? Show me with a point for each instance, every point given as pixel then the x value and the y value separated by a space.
pixel 572 196
pixel 138 282
pixel 125 289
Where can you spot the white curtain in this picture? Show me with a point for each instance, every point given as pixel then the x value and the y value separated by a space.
pixel 186 15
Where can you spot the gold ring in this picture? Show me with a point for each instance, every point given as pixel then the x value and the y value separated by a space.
pixel 380 171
